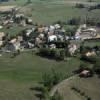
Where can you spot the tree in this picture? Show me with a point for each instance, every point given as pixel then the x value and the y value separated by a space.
pixel 90 0
pixel 51 79
pixel 80 5
pixel 96 67
pixel 29 1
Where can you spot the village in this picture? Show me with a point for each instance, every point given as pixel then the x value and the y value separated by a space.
pixel 49 41
pixel 48 61
pixel 39 36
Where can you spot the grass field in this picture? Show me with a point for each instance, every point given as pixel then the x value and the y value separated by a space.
pixel 18 75
pixel 88 86
pixel 48 11
pixel 92 43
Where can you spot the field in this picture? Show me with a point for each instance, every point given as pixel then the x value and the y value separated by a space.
pixel 49 11
pixel 18 75
pixel 90 87
pixel 92 43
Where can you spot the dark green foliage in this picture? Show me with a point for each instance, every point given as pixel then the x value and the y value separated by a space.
pixel 81 92
pixel 62 54
pixel 83 66
pixel 79 5
pixel 29 1
pixel 91 59
pixel 74 21
pixel 49 80
pixel 88 98
pixel 58 54
pixel 57 96
pixel 97 67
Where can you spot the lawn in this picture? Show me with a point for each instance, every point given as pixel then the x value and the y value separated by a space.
pixel 92 43
pixel 18 75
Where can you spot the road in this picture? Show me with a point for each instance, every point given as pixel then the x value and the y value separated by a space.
pixel 64 82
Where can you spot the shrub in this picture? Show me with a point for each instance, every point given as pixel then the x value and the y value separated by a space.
pixel 62 55
pixel 83 65
pixel 74 21
pixel 57 96
pixel 89 98
pixel 82 93
pixel 78 5
pixel 51 79
pixel 96 67
pixel 91 59
pixel 57 54
pixel 47 81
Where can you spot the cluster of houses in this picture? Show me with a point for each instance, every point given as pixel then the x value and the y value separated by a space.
pixel 84 32
pixel 49 36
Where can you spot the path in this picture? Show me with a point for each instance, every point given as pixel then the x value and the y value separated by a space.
pixel 55 88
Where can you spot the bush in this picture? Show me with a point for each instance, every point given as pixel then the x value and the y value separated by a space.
pixel 79 5
pixel 57 54
pixel 57 96
pixel 47 81
pixel 83 65
pixel 89 98
pixel 51 79
pixel 74 21
pixel 96 67
pixel 91 59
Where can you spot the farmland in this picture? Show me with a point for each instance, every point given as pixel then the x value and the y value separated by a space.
pixel 85 86
pixel 49 11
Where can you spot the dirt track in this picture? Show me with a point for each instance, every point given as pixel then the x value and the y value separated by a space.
pixel 57 87
pixel 6 8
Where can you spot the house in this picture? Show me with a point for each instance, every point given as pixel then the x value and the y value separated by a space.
pixel 38 41
pixel 51 28
pixel 15 44
pixel 84 32
pixel 41 29
pixel 41 36
pixel 57 26
pixel 29 21
pixel 89 54
pixel 72 48
pixel 86 73
pixel 2 34
pixel 28 32
pixel 1 27
pixel 52 46
pixel 1 43
pixel 52 38
pixel 20 38
pixel 14 40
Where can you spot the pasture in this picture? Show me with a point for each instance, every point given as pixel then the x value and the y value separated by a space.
pixel 18 75
pixel 49 11
pixel 88 87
